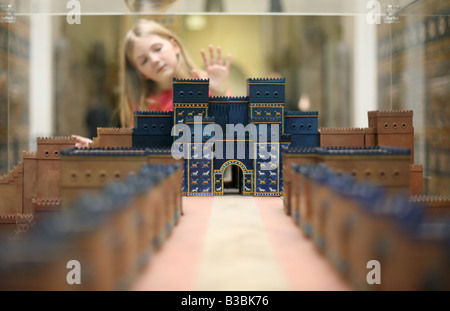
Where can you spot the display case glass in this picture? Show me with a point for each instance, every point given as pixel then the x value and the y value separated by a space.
pixel 60 61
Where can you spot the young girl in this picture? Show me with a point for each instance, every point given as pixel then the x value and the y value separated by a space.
pixel 151 57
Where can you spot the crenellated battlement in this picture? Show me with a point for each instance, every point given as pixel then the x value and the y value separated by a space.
pixel 191 105
pixel 268 120
pixel 101 151
pixel 16 218
pixel 112 137
pixel 228 99
pixel 430 198
pixel 363 151
pixel 266 80
pixel 29 154
pixel 435 206
pixel 301 150
pixel 341 130
pixel 196 120
pixel 114 131
pixel 218 98
pixel 56 140
pixel 152 113
pixel 46 204
pixel 177 80
pixel 116 152
pixel 12 174
pixel 159 150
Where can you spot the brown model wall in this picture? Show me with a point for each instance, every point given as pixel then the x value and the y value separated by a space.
pixel 113 137
pixel 11 186
pixel 341 137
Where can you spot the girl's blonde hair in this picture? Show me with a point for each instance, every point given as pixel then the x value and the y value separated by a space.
pixel 134 88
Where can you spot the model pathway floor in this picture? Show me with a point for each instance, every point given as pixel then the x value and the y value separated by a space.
pixel 238 243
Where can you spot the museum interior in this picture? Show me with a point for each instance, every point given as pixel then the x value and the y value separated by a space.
pixel 123 215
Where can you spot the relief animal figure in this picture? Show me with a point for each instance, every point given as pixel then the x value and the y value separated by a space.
pixel 262 156
pixel 272 190
pixel 194 181
pixel 248 189
pixel 261 173
pixel 180 121
pixel 206 182
pixel 273 182
pixel 201 113
pixel 190 113
pixel 194 190
pixel 273 174
pixel 181 113
pixel 195 164
pixel 206 173
pixel 262 181
pixel 206 190
pixel 206 165
pixel 261 189
pixel 218 181
pixel 219 189
pixel 258 113
pixel 277 113
pixel 195 173
pixel 268 114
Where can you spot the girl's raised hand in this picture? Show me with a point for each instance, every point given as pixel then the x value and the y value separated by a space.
pixel 217 71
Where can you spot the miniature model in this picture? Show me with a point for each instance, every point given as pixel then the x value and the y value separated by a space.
pixel 274 152
pixel 112 234
pixel 35 184
pixel 89 170
pixel 355 223
pixel 208 157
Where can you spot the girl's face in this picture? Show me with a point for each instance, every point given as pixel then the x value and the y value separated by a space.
pixel 156 59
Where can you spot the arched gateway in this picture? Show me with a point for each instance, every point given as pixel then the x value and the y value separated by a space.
pixel 241 178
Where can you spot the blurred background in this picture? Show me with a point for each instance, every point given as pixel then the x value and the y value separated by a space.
pixel 59 63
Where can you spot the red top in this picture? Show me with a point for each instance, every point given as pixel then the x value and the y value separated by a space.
pixel 162 101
